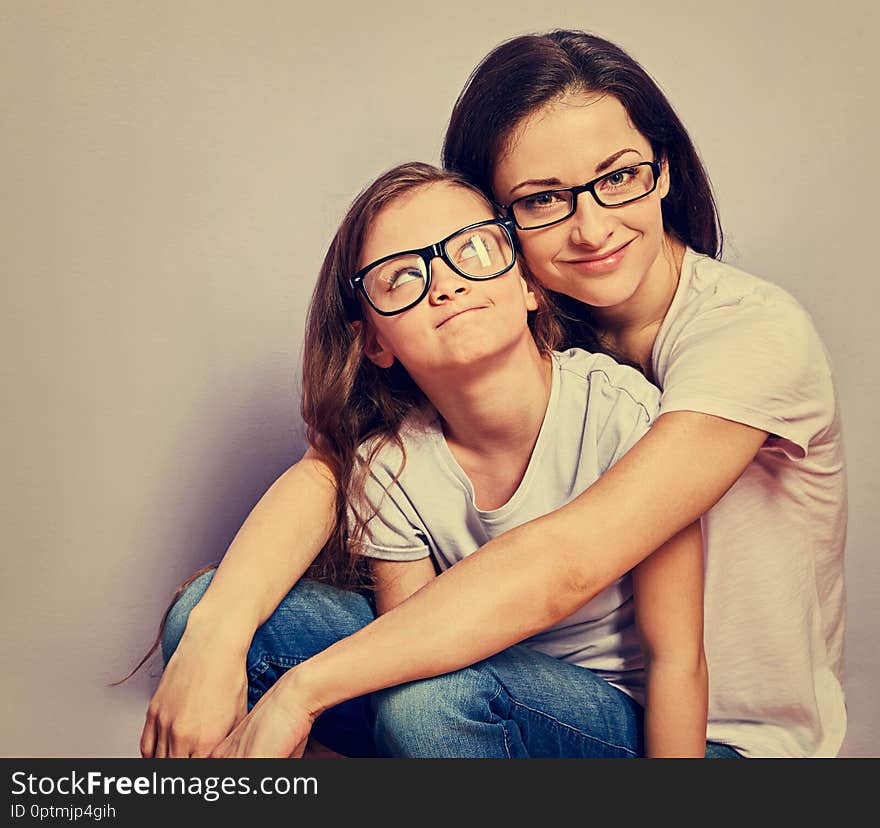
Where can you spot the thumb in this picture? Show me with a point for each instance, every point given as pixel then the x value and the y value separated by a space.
pixel 220 750
pixel 299 750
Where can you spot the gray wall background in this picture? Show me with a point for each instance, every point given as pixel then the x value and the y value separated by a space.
pixel 172 174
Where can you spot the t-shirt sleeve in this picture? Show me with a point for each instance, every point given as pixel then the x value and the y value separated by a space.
pixel 392 528
pixel 759 362
pixel 622 404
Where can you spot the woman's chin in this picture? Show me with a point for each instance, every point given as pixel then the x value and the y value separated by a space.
pixel 598 296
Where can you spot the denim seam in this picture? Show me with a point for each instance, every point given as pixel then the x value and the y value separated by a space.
pixel 581 733
pixel 501 721
pixel 264 662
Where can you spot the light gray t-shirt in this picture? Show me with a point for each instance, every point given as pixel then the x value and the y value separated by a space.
pixel 597 410
pixel 741 348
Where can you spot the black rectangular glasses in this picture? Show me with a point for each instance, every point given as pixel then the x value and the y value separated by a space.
pixel 609 190
pixel 397 282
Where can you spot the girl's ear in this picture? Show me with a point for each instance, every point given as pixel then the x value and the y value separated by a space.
pixel 528 295
pixel 374 348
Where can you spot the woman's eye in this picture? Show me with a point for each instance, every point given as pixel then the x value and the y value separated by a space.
pixel 619 178
pixel 541 201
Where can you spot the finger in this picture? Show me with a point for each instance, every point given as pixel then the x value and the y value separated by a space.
pixel 161 741
pixel 241 714
pixel 201 749
pixel 148 737
pixel 178 748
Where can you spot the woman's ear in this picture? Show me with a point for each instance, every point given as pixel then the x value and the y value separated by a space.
pixel 663 181
pixel 374 348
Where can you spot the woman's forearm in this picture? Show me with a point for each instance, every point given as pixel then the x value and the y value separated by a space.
pixel 272 549
pixel 527 579
pixel 676 710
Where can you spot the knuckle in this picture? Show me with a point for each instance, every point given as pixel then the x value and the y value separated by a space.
pixel 177 730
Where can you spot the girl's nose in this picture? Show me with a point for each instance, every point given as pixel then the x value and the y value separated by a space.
pixel 445 282
pixel 591 223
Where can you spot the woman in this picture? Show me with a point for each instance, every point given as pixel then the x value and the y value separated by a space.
pixel 748 437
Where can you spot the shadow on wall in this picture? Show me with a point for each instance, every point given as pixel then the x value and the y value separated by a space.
pixel 250 439
pixel 226 456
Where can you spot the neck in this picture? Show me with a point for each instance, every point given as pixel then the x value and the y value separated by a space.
pixel 632 327
pixel 496 407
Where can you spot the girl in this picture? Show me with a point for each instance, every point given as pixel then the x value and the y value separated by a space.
pixel 748 433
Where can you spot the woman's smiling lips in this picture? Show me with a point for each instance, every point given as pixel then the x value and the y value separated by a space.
pixel 602 262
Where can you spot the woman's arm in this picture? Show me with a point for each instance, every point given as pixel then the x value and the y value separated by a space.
pixel 678 470
pixel 202 693
pixel 668 596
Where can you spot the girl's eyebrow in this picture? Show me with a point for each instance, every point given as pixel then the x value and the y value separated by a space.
pixel 555 182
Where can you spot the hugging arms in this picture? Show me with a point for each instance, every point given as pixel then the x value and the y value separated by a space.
pixel 436 638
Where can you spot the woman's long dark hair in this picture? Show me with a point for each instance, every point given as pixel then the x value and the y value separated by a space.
pixel 524 74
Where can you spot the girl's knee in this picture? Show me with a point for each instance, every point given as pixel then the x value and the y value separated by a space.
pixel 411 706
pixel 415 719
pixel 329 613
pixel 178 614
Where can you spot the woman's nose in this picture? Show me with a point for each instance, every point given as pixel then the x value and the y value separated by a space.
pixel 591 223
pixel 445 282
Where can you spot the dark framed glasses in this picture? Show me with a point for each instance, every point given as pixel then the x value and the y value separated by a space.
pixel 397 282
pixel 612 189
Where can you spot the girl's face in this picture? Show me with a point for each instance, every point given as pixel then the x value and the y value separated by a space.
pixel 459 322
pixel 600 255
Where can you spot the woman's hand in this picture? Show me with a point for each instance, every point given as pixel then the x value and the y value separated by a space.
pixel 278 726
pixel 201 697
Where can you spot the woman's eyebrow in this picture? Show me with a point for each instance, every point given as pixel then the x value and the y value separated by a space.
pixel 604 165
pixel 537 182
pixel 555 182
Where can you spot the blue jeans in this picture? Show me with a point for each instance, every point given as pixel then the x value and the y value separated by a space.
pixel 519 703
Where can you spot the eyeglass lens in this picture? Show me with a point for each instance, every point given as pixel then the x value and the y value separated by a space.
pixel 479 253
pixel 618 187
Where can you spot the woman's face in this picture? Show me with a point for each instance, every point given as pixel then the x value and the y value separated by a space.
pixel 460 321
pixel 601 256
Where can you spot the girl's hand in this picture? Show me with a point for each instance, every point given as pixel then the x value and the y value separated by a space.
pixel 201 697
pixel 277 727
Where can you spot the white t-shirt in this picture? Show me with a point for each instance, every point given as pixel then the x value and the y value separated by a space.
pixel 737 347
pixel 597 410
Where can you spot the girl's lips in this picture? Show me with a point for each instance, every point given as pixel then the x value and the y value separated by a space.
pixel 602 264
pixel 459 313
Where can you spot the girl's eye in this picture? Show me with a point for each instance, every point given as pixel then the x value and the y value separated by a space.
pixel 403 276
pixel 480 246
